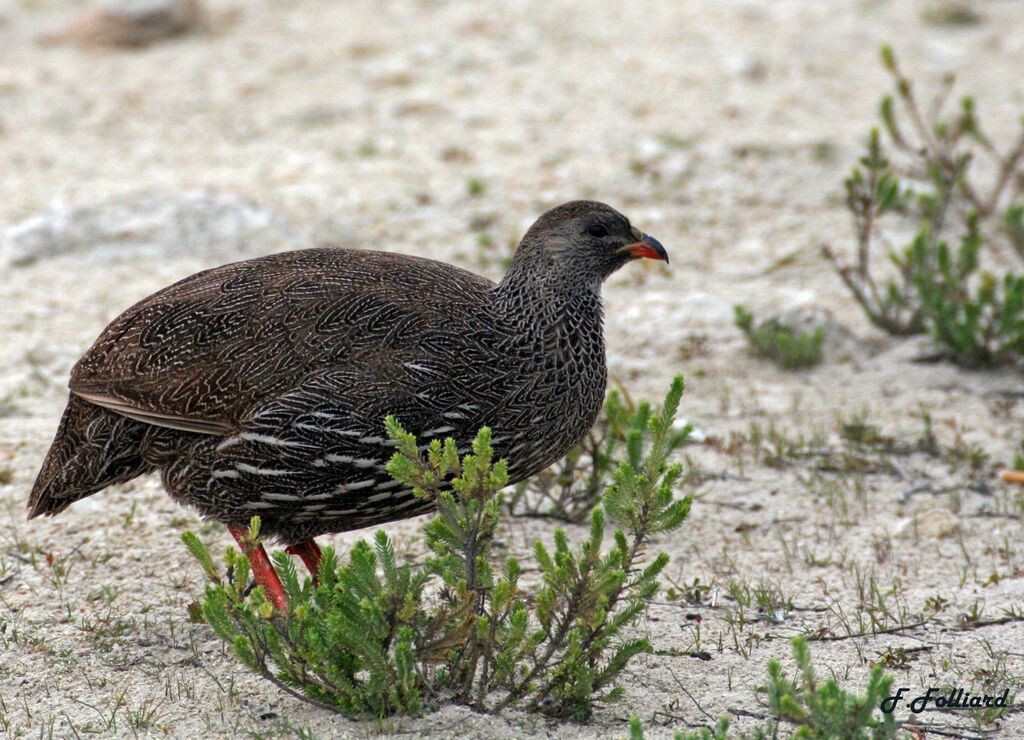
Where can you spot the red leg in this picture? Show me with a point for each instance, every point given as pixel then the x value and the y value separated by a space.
pixel 309 551
pixel 262 570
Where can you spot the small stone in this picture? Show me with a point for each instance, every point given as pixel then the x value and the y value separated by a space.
pixel 749 67
pixel 133 23
pixel 931 524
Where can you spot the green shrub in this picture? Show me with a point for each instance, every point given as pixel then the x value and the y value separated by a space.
pixel 790 347
pixel 824 711
pixel 918 175
pixel 374 638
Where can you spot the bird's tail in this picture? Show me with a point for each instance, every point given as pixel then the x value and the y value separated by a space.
pixel 93 448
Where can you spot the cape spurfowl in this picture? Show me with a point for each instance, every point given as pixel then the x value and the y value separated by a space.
pixel 260 387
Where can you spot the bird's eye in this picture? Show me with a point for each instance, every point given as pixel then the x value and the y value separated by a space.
pixel 597 230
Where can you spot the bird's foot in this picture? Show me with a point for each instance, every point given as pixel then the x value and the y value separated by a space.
pixel 309 551
pixel 262 569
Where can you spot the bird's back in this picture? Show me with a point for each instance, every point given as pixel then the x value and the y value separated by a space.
pixel 204 350
pixel 294 358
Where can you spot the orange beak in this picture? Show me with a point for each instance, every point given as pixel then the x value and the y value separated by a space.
pixel 648 247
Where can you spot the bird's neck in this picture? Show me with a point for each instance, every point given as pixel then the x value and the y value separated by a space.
pixel 560 313
pixel 555 341
pixel 544 291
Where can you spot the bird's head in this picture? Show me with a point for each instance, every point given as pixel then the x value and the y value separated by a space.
pixel 585 241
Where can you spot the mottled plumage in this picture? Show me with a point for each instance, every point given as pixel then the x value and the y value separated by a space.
pixel 260 387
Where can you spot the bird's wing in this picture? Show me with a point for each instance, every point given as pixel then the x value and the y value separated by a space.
pixel 199 354
pixel 155 418
pixel 319 451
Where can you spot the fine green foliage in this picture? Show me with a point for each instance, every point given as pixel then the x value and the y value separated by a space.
pixel 790 347
pixel 980 325
pixel 341 644
pixel 918 176
pixel 824 711
pixel 571 488
pixel 375 638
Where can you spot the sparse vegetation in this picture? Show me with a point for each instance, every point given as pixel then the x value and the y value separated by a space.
pixel 920 175
pixel 855 447
pixel 821 710
pixel 789 346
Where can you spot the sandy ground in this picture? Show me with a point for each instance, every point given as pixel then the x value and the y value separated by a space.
pixel 723 128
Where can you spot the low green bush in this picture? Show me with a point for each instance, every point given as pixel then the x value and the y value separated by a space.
pixel 790 347
pixel 957 277
pixel 375 638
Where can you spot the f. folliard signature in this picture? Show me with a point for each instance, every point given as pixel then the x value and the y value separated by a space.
pixel 939 699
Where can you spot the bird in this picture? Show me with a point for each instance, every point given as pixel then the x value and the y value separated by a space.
pixel 260 387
